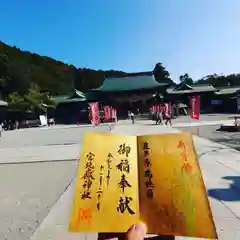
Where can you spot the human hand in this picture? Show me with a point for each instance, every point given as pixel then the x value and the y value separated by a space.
pixel 135 232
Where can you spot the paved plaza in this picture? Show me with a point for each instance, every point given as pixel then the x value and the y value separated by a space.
pixel 38 167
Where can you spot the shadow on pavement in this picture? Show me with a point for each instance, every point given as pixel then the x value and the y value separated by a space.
pixel 229 194
pixel 232 141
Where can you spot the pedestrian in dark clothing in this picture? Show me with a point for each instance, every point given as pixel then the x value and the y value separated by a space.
pixel 168 119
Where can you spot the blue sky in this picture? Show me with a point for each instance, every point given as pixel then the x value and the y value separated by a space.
pixel 199 37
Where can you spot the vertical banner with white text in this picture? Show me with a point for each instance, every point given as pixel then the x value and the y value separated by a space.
pixel 194 107
pixel 106 110
pixel 168 107
pixel 94 113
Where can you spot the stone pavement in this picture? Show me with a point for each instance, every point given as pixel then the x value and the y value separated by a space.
pixel 36 167
pixel 43 144
pixel 51 136
pixel 187 123
pixel 39 154
pixel 220 167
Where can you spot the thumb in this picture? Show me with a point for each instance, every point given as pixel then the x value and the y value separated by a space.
pixel 137 232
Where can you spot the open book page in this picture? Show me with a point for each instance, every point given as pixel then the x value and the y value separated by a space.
pixel 106 194
pixel 173 199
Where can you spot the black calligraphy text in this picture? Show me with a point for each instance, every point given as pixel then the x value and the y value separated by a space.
pixel 124 167
pixel 100 191
pixel 109 167
pixel 88 176
pixel 148 174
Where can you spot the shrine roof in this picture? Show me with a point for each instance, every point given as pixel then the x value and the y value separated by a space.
pixel 130 83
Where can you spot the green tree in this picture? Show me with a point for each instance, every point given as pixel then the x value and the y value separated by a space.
pixel 38 101
pixel 15 101
pixel 161 74
pixel 220 80
pixel 185 78
pixel 33 100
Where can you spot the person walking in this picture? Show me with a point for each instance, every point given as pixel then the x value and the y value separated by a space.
pixel 129 114
pixel 132 117
pixel 159 118
pixel 168 119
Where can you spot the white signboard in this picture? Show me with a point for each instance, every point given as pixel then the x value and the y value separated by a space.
pixel 43 120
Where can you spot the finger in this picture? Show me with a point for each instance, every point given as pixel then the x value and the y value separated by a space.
pixel 136 232
pixel 111 239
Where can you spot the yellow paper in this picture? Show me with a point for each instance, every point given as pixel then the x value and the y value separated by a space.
pixel 163 186
pixel 179 202
pixel 85 215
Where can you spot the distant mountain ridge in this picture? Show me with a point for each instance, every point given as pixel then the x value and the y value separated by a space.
pixel 20 69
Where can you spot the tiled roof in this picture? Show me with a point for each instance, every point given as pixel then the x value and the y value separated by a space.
pixel 203 88
pixel 73 100
pixel 76 96
pixel 129 83
pixel 182 86
pixel 192 89
pixel 228 90
pixel 60 98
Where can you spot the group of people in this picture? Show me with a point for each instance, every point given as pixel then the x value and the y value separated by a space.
pixel 161 116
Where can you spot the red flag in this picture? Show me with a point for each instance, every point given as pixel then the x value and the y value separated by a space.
pixel 153 108
pixel 106 110
pixel 164 108
pixel 110 113
pixel 94 113
pixel 91 112
pixel 168 109
pixel 194 107
pixel 160 108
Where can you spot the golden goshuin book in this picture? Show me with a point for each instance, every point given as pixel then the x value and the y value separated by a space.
pixel 155 179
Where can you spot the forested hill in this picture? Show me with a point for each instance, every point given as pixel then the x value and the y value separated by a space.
pixel 20 69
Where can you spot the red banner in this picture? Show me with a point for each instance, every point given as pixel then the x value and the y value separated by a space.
pixel 113 113
pixel 106 110
pixel 156 108
pixel 164 108
pixel 153 109
pixel 94 113
pixel 194 107
pixel 168 109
